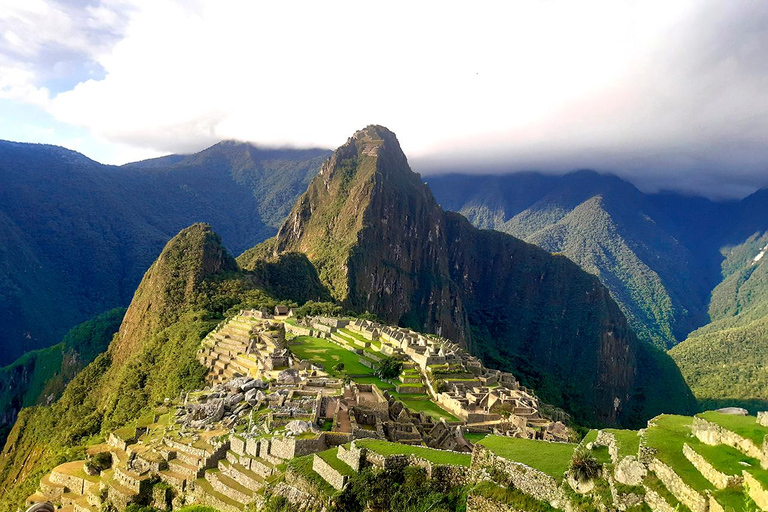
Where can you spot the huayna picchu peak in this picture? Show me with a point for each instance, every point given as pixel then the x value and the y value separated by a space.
pixel 381 243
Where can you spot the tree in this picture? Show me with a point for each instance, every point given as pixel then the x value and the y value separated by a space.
pixel 339 368
pixel 389 368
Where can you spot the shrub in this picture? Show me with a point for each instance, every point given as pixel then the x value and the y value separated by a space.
pixel 584 466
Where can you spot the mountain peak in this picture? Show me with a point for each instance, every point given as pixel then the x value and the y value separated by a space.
pixel 172 281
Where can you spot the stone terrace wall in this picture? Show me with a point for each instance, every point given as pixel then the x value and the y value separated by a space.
pixel 756 491
pixel 656 502
pixel 531 481
pixel 328 473
pixel 608 439
pixel 762 418
pixel 713 434
pixel 75 484
pixel 718 479
pixel 682 491
pixel 352 457
pixel 482 504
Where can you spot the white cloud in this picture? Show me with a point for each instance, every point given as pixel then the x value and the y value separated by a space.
pixel 640 88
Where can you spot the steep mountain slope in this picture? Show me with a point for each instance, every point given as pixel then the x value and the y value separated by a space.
pixel 605 225
pixel 183 296
pixel 78 235
pixel 39 376
pixel 724 361
pixel 381 243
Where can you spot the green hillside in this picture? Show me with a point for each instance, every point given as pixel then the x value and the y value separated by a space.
pixel 605 225
pixel 78 235
pixel 724 361
pixel 40 376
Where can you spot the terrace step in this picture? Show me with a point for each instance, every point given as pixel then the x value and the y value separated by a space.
pixel 228 486
pixel 244 476
pixel 183 468
pixel 213 498
pixel 176 480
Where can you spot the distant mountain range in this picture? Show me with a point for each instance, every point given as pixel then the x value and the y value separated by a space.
pixel 77 236
pixel 682 269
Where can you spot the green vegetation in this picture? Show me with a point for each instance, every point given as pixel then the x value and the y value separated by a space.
pixel 552 459
pixel 745 426
pixel 398 490
pixel 584 466
pixel 97 228
pixel 432 455
pixel 40 376
pixel 389 368
pixel 329 354
pixel 723 362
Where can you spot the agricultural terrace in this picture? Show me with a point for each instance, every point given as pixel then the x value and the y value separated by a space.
pixel 430 454
pixel 549 458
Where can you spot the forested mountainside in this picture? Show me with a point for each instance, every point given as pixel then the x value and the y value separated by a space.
pixel 685 270
pixel 381 243
pixel 724 361
pixel 608 227
pixel 78 235
pixel 40 376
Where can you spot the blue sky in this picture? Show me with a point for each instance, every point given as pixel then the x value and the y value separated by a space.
pixel 669 94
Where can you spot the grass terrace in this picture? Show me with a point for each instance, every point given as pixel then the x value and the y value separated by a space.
pixel 422 403
pixel 329 355
pixel 668 435
pixel 331 457
pixel 549 458
pixel 745 426
pixel 474 437
pixel 430 454
pixel 628 441
pixel 303 466
pixel 359 337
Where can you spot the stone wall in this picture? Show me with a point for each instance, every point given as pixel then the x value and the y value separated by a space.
pixel 718 479
pixel 630 471
pixel 483 504
pixel 328 473
pixel 608 439
pixel 756 491
pixel 75 484
pixel 531 481
pixel 656 502
pixel 300 500
pixel 289 448
pixel 712 434
pixel 682 491
pixel 762 418
pixel 352 457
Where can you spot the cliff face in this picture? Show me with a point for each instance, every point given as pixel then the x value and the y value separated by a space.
pixel 382 243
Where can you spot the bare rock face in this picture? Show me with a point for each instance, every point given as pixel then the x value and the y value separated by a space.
pixel 630 471
pixel 381 243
